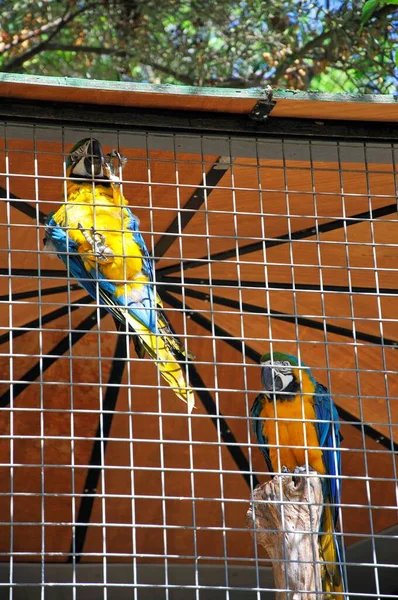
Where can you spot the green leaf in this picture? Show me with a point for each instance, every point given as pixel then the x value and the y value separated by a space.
pixel 334 81
pixel 367 11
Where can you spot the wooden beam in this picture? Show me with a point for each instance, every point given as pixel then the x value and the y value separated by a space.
pixel 289 103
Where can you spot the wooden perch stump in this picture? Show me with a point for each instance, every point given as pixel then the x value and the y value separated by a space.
pixel 284 519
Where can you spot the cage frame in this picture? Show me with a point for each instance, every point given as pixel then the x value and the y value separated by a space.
pixel 42 112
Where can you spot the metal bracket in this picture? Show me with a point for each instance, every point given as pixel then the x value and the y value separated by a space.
pixel 263 108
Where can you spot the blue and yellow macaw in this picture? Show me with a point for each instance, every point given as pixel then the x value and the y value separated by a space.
pixel 97 237
pixel 296 424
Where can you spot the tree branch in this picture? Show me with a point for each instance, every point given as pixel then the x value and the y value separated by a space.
pixel 89 49
pixel 59 24
pixel 284 518
pixel 123 53
pixel 316 42
pixel 168 71
pixel 36 32
pixel 237 82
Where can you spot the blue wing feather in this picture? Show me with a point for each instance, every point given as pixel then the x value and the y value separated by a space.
pixel 133 225
pixel 88 278
pixel 67 252
pixel 257 425
pixel 328 430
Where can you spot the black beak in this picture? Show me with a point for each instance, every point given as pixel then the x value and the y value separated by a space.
pixel 94 159
pixel 271 381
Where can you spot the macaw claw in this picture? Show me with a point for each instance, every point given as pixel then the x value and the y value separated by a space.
pixel 111 168
pixel 116 154
pixel 97 242
pixel 304 470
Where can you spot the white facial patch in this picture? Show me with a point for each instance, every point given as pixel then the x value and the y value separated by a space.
pixel 80 169
pixel 286 379
pixel 282 370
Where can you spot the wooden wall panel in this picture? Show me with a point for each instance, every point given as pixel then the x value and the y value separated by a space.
pixel 236 208
pixel 135 455
pixel 345 385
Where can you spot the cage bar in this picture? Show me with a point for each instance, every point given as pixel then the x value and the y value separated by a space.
pixel 278 236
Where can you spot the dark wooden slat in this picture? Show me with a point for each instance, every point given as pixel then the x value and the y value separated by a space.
pixel 282 239
pixel 43 292
pixel 303 321
pixel 213 176
pixel 23 206
pixel 245 283
pixel 98 451
pixel 45 363
pixel 34 273
pixel 48 318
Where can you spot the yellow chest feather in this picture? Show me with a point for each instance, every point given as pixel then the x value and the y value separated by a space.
pixel 290 429
pixel 97 209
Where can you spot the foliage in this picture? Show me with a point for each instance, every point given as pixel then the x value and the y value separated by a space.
pixel 370 7
pixel 329 45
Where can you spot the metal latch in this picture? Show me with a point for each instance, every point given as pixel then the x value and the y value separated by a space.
pixel 263 107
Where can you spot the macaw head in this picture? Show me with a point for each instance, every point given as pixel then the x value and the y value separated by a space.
pixel 283 378
pixel 86 160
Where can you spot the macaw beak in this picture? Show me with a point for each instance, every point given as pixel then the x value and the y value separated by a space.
pixel 271 380
pixel 94 159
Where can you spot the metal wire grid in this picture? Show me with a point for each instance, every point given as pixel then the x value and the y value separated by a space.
pixel 185 532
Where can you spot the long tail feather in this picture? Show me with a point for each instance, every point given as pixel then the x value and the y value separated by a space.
pixel 332 575
pixel 170 369
pixel 165 329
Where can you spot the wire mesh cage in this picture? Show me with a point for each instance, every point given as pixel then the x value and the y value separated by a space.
pixel 108 487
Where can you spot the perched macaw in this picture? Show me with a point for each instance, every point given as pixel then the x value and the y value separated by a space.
pixel 296 424
pixel 97 237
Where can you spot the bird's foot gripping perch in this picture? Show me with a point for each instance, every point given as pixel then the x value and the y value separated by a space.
pixel 111 168
pixel 101 251
pixel 284 517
